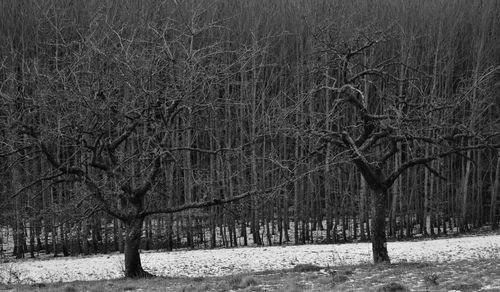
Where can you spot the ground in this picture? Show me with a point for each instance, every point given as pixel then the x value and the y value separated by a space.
pixel 463 264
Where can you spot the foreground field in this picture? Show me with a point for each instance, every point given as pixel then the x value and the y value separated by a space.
pixel 466 264
pixel 465 275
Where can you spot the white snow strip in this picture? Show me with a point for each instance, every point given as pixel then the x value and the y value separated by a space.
pixel 219 262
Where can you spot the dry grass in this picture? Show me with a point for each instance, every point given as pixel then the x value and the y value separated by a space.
pixel 463 276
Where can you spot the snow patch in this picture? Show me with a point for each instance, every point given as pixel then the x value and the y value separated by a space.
pixel 220 262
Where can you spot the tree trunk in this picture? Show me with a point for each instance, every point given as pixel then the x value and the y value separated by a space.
pixel 32 239
pixel 188 181
pixel 464 193
pixel 362 200
pixel 296 194
pixel 494 195
pixel 133 233
pixel 378 238
pixel 328 196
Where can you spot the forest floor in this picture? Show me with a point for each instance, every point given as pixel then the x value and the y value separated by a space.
pixel 462 263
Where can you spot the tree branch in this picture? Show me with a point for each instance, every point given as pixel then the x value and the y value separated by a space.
pixel 85 178
pixel 50 177
pixel 424 160
pixel 58 165
pixel 149 180
pixel 372 174
pixel 364 73
pixel 202 204
pixel 392 151
pixel 434 172
pixel 114 144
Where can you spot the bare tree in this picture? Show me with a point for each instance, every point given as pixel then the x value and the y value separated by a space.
pixel 109 108
pixel 387 123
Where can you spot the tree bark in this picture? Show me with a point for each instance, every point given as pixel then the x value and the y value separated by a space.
pixel 362 201
pixel 133 233
pixel 188 181
pixel 379 238
pixel 464 193
pixel 494 195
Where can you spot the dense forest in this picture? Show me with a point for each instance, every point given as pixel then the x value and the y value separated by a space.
pixel 166 124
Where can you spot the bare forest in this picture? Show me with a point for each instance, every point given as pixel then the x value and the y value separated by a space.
pixel 166 124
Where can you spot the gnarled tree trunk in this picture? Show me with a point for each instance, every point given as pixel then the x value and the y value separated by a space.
pixel 133 233
pixel 379 238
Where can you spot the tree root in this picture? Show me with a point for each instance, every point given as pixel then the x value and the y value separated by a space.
pixel 140 275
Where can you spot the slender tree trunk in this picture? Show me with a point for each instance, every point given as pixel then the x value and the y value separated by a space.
pixel 32 239
pixel 296 197
pixel 427 194
pixel 64 240
pixel 480 218
pixel 464 188
pixel 286 199
pixel 85 236
pixel 464 193
pixel 242 178
pixel 188 184
pixel 255 225
pixel 20 239
pixel 212 187
pixel 54 230
pixel 328 200
pixel 116 230
pixel 328 191
pixel 363 188
pixel 378 236
pixel 494 196
pixel 169 179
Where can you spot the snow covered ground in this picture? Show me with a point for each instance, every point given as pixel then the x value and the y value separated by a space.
pixel 218 262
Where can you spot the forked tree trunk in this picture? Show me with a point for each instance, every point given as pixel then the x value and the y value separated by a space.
pixel 379 238
pixel 133 233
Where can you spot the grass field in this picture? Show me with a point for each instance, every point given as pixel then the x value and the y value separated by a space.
pixel 467 275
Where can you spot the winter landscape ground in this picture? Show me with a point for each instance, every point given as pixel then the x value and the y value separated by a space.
pixel 460 263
